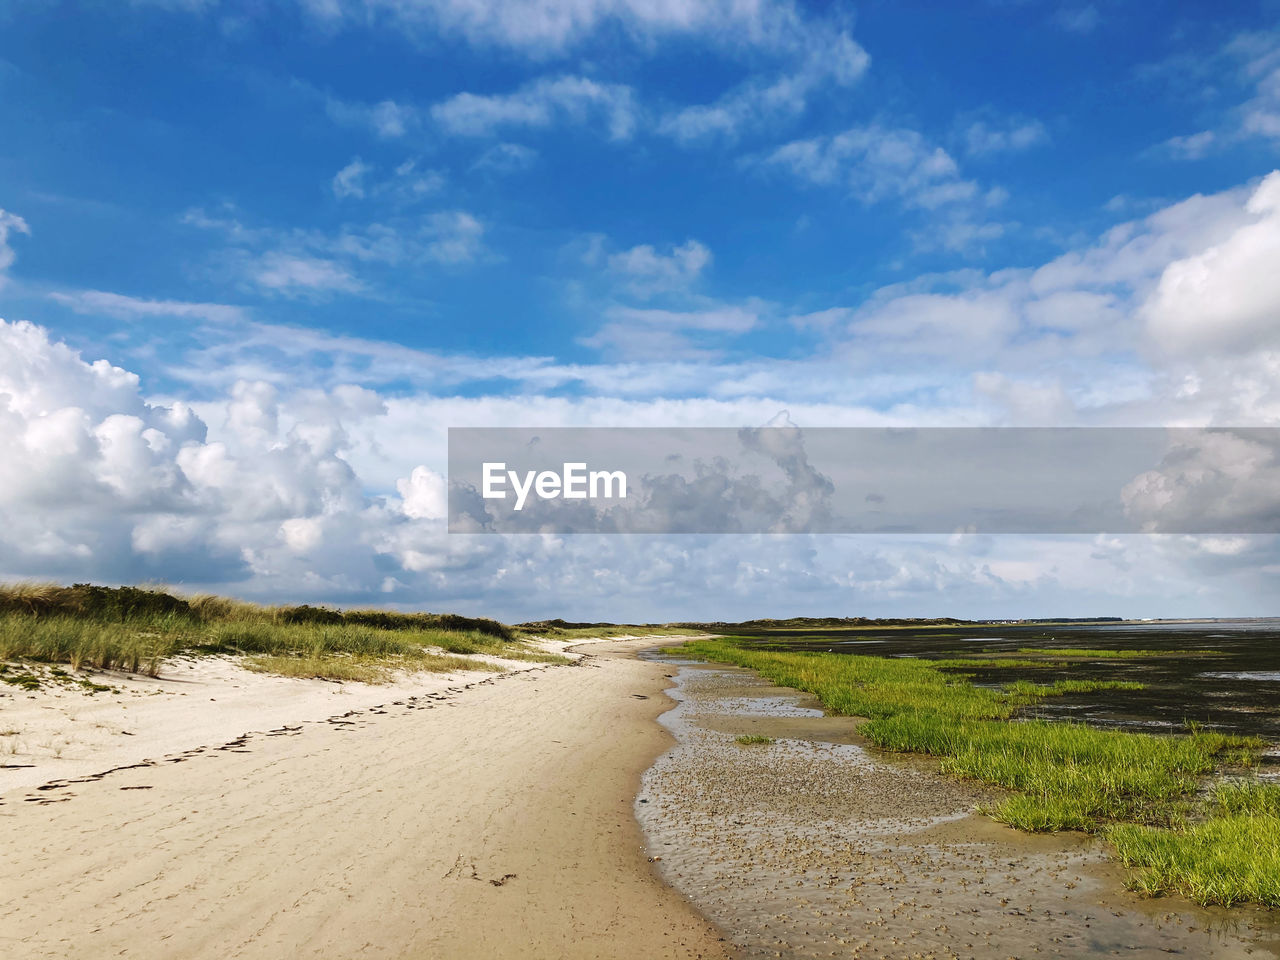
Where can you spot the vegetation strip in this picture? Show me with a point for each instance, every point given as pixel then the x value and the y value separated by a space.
pixel 135 630
pixel 1136 789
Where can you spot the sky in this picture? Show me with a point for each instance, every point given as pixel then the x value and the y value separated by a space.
pixel 257 256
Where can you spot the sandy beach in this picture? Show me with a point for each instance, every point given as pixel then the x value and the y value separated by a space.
pixel 490 817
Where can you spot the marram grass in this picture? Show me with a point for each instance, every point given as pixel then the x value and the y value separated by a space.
pixel 134 630
pixel 1137 790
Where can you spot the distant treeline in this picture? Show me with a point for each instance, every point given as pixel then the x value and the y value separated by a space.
pixel 121 604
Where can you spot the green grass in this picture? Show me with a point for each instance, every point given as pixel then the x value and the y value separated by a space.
pixel 991 662
pixel 1069 776
pixel 134 630
pixel 748 739
pixel 1231 856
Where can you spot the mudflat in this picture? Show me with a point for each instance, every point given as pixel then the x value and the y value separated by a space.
pixel 489 821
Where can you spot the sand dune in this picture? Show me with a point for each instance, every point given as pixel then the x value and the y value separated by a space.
pixel 493 822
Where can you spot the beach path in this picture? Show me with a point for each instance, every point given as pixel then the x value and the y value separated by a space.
pixel 495 823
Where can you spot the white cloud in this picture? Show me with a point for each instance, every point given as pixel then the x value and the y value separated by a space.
pixel 349 181
pixel 540 104
pixel 1192 146
pixel 648 272
pixel 319 263
pixel 1249 66
pixel 545 27
pixel 291 274
pixel 876 163
pixel 453 237
pixel 1210 481
pixel 336 494
pixel 1077 19
pixel 9 223
pixel 1260 56
pixel 423 495
pixel 505 158
pixel 387 119
pixel 103 303
pixel 1226 296
pixel 983 138
pixel 635 333
pixel 405 185
pixel 832 58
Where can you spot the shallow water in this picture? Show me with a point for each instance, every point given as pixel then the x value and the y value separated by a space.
pixel 816 846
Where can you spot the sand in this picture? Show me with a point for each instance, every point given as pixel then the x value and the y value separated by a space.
pixel 493 819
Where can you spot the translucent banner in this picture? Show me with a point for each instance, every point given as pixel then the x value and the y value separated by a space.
pixel 864 480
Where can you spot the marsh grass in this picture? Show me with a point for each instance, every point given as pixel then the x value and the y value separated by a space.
pixel 1230 856
pixel 750 739
pixel 134 630
pixel 1138 790
pixel 1065 775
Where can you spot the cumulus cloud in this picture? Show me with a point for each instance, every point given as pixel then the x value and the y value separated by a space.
pixel 423 495
pixel 1211 481
pixel 1225 297
pixel 289 491
pixel 104 483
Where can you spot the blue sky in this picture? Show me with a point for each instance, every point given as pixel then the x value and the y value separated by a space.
pixel 313 234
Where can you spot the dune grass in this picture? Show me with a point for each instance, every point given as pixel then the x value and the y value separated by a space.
pixel 363 669
pixel 752 739
pixel 134 630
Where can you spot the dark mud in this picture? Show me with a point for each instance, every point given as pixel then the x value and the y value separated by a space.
pixel 816 846
pixel 1222 674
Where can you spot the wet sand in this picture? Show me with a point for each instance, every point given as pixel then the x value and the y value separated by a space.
pixel 490 821
pixel 815 846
